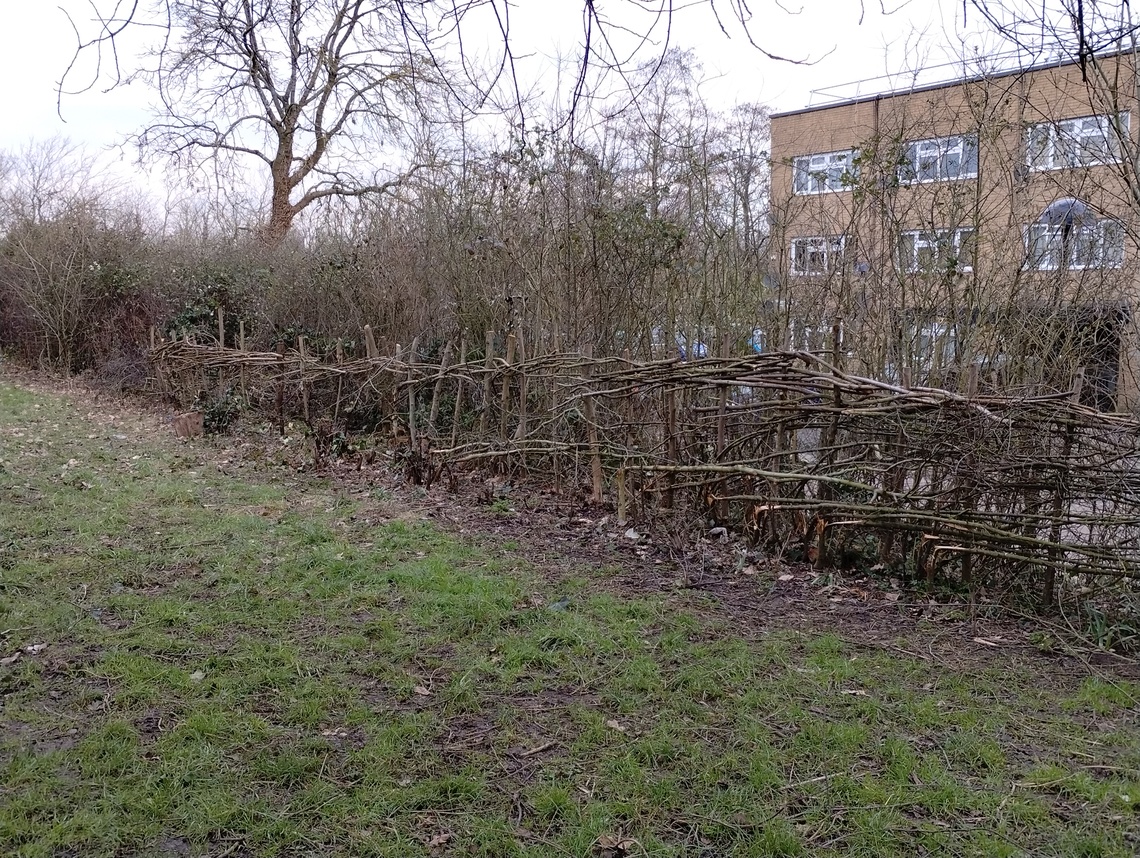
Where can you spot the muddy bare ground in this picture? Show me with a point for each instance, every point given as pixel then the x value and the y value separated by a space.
pixel 726 579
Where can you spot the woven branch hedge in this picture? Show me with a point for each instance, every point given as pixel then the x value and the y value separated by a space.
pixel 803 456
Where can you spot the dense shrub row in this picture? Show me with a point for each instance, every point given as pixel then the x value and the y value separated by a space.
pixel 644 221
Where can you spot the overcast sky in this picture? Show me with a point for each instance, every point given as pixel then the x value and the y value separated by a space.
pixel 36 43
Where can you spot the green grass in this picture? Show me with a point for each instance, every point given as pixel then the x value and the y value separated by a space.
pixel 267 664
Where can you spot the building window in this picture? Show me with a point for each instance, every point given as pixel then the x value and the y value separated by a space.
pixel 939 250
pixel 924 345
pixel 819 254
pixel 1099 245
pixel 821 174
pixel 940 159
pixel 935 344
pixel 1086 141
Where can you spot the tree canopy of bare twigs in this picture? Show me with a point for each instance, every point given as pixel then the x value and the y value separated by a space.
pixel 313 92
pixel 66 228
pixel 1076 30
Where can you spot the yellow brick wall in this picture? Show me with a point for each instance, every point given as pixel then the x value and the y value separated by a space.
pixel 1000 202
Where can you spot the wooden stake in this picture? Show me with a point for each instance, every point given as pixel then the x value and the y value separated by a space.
pixel 370 343
pixel 521 429
pixel 458 394
pixel 488 364
pixel 968 499
pixel 895 480
pixel 339 380
pixel 627 413
pixel 592 433
pixel 444 361
pixel 244 375
pixel 1048 593
pixel 221 328
pixel 670 446
pixel 412 397
pixel 301 371
pixel 281 387
pixel 828 453
pixel 722 435
pixel 822 561
pixel 159 370
pixel 504 400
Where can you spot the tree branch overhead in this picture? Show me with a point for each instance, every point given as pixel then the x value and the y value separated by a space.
pixel 312 83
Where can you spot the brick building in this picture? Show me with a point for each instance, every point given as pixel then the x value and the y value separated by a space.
pixel 991 221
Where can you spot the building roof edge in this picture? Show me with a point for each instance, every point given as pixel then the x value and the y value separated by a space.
pixel 930 87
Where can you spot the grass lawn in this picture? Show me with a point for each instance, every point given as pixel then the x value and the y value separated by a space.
pixel 221 660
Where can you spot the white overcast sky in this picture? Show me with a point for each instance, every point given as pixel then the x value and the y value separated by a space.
pixel 36 43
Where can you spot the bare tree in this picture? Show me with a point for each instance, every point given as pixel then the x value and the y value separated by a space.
pixel 313 89
pixel 65 231
pixel 310 89
pixel 46 178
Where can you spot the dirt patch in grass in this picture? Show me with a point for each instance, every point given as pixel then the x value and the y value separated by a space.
pixel 729 580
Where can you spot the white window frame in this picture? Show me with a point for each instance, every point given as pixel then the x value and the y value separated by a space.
pixel 1089 246
pixel 824 172
pixel 939 242
pixel 830 248
pixel 931 160
pixel 1083 141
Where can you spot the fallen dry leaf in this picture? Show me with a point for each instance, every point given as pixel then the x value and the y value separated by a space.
pixel 614 846
pixel 422 691
pixel 11 659
pixel 786 578
pixel 857 692
pixel 614 724
pixel 441 839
